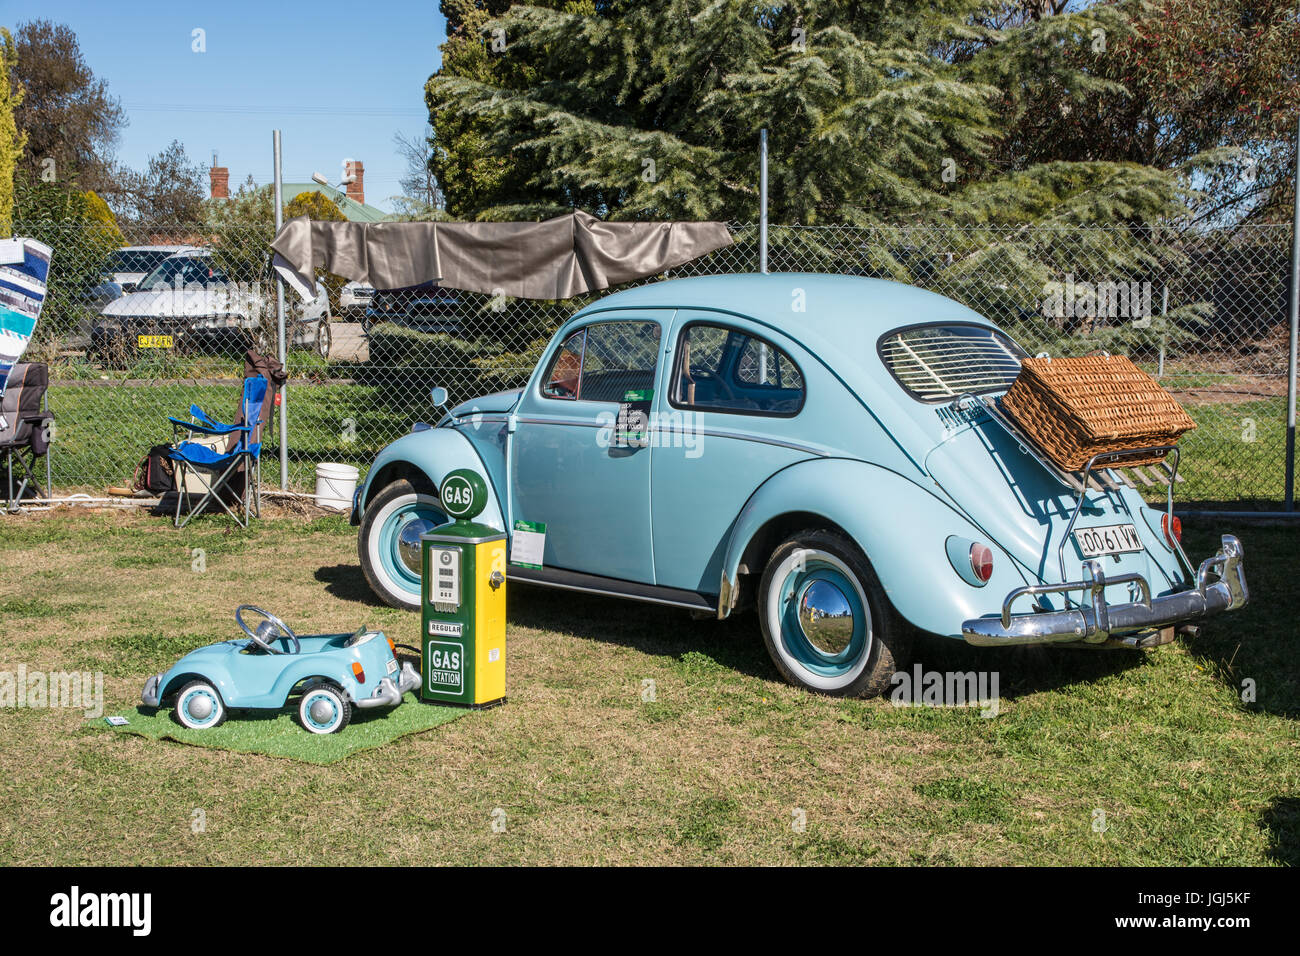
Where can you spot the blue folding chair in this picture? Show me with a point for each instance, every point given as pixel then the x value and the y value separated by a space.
pixel 215 469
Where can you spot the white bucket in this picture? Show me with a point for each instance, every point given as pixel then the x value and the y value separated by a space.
pixel 335 485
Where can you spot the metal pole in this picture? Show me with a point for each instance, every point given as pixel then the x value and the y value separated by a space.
pixel 279 325
pixel 1295 331
pixel 762 200
pixel 1164 332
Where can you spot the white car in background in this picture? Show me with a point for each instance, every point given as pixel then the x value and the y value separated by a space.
pixel 128 265
pixel 354 299
pixel 187 303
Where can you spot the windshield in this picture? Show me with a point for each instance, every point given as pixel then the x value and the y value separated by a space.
pixel 137 260
pixel 180 272
pixel 940 362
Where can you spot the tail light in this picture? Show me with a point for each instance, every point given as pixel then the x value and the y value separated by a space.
pixel 392 646
pixel 359 672
pixel 981 561
pixel 1172 526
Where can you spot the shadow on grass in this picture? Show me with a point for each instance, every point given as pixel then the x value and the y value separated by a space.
pixel 1235 645
pixel 649 628
pixel 347 583
pixel 1258 642
pixel 1023 671
pixel 1281 823
pixel 737 642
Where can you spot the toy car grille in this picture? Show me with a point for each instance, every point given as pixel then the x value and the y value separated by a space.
pixel 941 362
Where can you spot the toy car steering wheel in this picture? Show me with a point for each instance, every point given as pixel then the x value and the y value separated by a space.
pixel 266 630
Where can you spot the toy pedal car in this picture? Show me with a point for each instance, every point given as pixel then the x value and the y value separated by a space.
pixel 332 672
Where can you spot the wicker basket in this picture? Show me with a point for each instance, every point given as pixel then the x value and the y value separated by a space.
pixel 1074 408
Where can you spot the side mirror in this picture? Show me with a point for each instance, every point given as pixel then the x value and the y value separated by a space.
pixel 439 396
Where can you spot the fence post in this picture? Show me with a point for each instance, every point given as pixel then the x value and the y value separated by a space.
pixel 279 325
pixel 1295 331
pixel 762 200
pixel 1164 329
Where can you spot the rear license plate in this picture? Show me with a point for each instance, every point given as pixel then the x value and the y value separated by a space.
pixel 153 341
pixel 1108 539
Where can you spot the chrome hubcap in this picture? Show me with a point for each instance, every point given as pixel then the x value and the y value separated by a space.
pixel 199 706
pixel 408 542
pixel 826 618
pixel 322 711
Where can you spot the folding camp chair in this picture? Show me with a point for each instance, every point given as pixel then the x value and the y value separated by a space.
pixel 215 469
pixel 25 421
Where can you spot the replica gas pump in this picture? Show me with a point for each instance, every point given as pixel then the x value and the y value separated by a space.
pixel 463 606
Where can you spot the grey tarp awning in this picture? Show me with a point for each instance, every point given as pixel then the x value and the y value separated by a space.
pixel 555 259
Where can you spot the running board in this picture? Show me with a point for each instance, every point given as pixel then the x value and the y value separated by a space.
pixel 612 587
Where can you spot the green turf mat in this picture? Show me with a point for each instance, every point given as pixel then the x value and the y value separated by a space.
pixel 279 734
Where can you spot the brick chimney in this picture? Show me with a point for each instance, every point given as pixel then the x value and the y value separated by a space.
pixel 219 177
pixel 356 188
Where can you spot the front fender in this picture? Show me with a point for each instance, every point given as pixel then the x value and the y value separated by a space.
pixel 901 527
pixel 434 453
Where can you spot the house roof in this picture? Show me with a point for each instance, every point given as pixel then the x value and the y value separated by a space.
pixel 353 210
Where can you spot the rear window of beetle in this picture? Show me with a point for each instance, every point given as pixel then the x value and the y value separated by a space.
pixel 940 362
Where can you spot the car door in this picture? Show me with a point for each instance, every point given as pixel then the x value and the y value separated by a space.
pixel 575 464
pixel 730 399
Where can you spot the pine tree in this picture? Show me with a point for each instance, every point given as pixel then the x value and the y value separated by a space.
pixel 884 112
pixel 984 149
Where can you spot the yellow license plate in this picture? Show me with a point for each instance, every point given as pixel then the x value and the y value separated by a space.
pixel 154 341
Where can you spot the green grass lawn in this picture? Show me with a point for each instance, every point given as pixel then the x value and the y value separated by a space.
pixel 103 431
pixel 581 767
pixel 1236 455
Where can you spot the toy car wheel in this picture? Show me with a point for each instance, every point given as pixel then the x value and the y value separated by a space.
pixel 199 706
pixel 826 621
pixel 389 540
pixel 324 709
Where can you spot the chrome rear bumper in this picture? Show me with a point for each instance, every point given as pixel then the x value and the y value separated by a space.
pixel 389 693
pixel 1099 622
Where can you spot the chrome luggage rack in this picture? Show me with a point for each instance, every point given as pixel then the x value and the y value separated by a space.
pixel 1104 472
pixel 1114 477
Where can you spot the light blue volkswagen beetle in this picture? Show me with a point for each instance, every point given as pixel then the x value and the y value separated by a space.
pixel 827 449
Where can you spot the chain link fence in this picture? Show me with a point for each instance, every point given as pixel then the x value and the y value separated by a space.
pixel 133 335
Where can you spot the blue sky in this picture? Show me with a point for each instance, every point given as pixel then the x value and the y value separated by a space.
pixel 338 79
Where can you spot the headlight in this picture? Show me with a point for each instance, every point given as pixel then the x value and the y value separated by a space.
pixel 222 320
